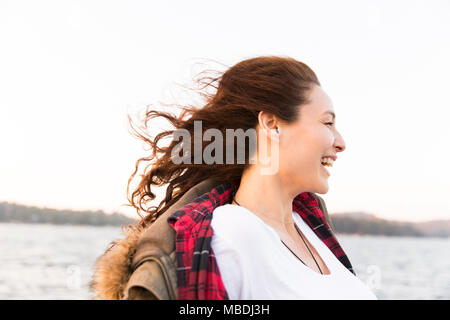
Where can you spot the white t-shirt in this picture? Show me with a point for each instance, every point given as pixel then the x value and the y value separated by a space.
pixel 255 264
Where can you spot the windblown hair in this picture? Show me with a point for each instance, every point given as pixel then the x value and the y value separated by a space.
pixel 274 84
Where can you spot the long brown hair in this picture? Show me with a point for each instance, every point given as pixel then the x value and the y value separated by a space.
pixel 275 84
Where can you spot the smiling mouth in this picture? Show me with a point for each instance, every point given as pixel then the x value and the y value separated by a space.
pixel 326 161
pixel 326 164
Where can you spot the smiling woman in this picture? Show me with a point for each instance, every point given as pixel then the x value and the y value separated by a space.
pixel 254 90
pixel 198 244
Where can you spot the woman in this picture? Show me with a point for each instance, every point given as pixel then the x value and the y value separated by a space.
pixel 261 234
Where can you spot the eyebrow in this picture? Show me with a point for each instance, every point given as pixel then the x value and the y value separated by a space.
pixel 332 114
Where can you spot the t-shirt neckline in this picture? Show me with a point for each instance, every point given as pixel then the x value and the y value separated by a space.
pixel 284 248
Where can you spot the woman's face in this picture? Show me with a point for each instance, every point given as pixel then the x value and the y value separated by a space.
pixel 304 143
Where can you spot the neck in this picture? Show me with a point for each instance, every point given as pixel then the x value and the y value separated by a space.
pixel 267 196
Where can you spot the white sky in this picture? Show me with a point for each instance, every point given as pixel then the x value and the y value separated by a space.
pixel 70 72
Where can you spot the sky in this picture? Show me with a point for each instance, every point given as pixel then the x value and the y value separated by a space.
pixel 71 72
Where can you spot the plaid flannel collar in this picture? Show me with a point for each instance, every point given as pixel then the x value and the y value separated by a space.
pixel 198 276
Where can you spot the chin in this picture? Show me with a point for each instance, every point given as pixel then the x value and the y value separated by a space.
pixel 322 189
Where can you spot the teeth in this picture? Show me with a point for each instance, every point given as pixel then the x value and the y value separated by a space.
pixel 327 162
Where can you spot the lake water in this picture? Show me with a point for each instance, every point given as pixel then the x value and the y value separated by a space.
pixel 55 262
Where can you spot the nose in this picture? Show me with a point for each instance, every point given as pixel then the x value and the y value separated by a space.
pixel 339 143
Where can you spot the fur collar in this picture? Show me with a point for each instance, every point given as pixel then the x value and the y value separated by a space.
pixel 112 270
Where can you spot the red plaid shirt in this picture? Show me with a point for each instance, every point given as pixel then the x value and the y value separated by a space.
pixel 198 276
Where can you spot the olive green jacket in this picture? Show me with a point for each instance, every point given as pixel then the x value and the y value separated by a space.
pixel 142 265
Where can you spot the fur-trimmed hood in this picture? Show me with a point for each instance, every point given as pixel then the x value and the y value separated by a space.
pixel 112 270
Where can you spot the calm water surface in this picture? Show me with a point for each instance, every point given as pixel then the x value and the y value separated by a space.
pixel 55 262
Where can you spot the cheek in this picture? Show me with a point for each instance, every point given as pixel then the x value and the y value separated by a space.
pixel 325 141
pixel 331 138
pixel 329 141
pixel 320 142
pixel 305 149
pixel 299 159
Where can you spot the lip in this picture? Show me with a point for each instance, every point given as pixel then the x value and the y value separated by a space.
pixel 332 156
pixel 326 170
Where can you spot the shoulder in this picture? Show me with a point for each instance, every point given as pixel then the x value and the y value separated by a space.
pixel 236 219
pixel 240 242
pixel 236 225
pixel 231 214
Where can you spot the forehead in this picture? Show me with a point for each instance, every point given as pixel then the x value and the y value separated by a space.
pixel 319 103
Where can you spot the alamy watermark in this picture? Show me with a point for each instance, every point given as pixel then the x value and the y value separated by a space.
pixel 373 280
pixel 213 152
pixel 73 281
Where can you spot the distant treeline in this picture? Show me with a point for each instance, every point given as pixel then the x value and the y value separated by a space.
pixel 347 223
pixel 10 212
pixel 362 223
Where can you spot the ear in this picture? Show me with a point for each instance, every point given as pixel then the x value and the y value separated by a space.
pixel 267 121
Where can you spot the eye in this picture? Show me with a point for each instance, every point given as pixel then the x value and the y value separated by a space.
pixel 329 123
